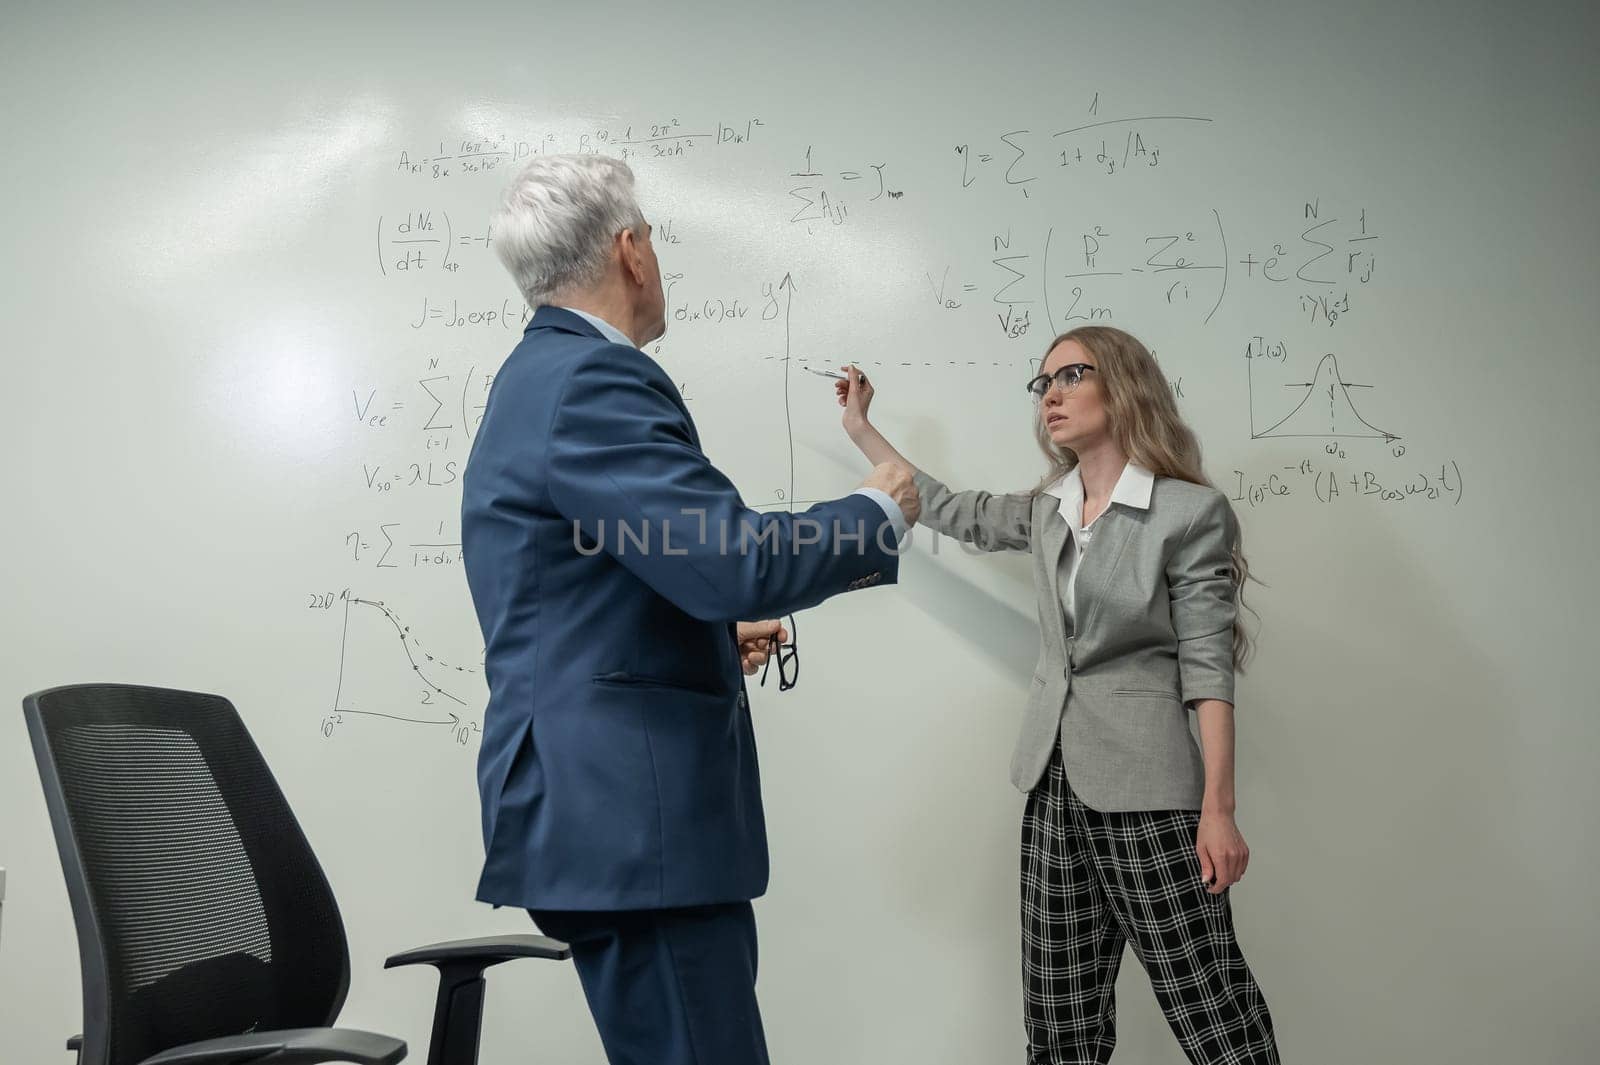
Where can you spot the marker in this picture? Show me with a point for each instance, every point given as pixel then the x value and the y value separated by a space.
pixel 835 376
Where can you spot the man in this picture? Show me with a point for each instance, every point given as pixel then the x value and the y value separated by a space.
pixel 614 570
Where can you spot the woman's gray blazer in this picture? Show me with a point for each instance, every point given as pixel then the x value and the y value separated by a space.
pixel 1157 603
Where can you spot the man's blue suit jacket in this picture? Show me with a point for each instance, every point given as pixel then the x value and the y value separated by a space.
pixel 618 766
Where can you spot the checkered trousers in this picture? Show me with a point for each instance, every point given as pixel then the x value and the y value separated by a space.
pixel 1093 881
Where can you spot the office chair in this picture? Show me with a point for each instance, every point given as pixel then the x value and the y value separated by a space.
pixel 207 932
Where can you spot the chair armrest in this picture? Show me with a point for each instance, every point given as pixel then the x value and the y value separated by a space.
pixel 291 1046
pixel 458 1007
pixel 487 951
pixel 75 1044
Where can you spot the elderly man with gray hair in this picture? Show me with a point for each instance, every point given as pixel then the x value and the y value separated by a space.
pixel 615 573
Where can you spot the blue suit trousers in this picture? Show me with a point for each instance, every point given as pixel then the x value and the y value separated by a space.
pixel 668 987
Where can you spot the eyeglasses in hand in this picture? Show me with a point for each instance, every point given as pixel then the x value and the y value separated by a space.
pixel 787 656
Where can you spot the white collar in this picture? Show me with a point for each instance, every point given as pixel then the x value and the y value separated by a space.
pixel 1133 489
pixel 607 330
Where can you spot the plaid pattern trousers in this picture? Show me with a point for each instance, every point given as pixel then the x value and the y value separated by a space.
pixel 1092 882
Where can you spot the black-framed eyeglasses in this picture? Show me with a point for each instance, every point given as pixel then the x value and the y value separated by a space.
pixel 786 655
pixel 1066 378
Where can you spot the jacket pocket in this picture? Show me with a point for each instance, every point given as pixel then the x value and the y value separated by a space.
pixel 1146 693
pixel 637 680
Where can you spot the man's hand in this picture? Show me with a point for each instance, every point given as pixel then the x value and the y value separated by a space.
pixel 755 641
pixel 895 479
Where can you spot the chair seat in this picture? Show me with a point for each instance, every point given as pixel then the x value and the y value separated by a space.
pixel 291 1046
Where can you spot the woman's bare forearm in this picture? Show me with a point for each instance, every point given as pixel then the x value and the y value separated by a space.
pixel 876 447
pixel 1216 743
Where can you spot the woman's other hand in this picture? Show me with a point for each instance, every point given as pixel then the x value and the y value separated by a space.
pixel 1222 851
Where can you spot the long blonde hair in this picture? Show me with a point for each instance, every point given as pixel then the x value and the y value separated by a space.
pixel 1149 431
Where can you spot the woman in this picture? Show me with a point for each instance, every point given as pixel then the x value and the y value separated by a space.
pixel 1128 835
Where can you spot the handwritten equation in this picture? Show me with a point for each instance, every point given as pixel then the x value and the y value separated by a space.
pixel 668 138
pixel 1018 158
pixel 828 197
pixel 1098 273
pixel 386 546
pixel 437 402
pixel 510 314
pixel 423 240
pixel 1332 482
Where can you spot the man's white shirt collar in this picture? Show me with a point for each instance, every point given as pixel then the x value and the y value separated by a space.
pixel 1133 489
pixel 607 330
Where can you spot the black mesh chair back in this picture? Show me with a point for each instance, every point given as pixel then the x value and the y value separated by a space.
pixel 201 911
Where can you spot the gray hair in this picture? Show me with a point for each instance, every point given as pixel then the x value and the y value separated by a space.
pixel 556 221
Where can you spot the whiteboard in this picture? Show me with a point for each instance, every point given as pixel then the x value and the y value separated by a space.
pixel 252 314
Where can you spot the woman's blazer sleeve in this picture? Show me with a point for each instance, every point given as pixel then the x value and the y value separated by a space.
pixel 992 522
pixel 1200 581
